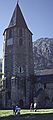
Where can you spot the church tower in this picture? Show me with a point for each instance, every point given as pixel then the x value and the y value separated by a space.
pixel 18 60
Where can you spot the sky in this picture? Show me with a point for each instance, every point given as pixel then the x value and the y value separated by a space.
pixel 38 15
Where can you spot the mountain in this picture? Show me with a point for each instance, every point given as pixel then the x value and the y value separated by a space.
pixel 43 54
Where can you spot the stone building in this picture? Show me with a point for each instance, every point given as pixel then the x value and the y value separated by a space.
pixel 28 71
pixel 18 62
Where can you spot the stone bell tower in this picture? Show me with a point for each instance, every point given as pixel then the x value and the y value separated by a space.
pixel 18 59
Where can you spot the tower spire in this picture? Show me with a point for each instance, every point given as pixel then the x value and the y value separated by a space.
pixel 17 17
pixel 17 1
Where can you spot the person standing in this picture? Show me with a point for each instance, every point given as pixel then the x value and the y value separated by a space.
pixel 14 109
pixel 31 106
pixel 35 106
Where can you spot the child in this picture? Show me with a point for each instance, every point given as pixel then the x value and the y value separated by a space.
pixel 17 110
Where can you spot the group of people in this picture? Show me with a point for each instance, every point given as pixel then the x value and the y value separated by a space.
pixel 16 110
pixel 33 106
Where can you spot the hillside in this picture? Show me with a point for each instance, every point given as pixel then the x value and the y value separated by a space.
pixel 43 53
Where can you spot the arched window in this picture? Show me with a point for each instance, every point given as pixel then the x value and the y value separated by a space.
pixel 20 69
pixel 29 44
pixel 20 41
pixel 44 85
pixel 20 32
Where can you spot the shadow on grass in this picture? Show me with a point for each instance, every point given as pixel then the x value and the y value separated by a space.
pixel 48 116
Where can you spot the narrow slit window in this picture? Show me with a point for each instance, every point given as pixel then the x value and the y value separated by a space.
pixel 20 69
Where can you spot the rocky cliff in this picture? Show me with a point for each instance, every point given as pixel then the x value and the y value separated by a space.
pixel 43 53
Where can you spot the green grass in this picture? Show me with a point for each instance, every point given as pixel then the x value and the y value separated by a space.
pixel 5 113
pixel 40 114
pixel 39 111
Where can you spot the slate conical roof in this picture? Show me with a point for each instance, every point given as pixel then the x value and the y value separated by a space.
pixel 17 18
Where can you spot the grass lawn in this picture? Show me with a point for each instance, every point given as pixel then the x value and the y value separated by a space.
pixel 40 114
